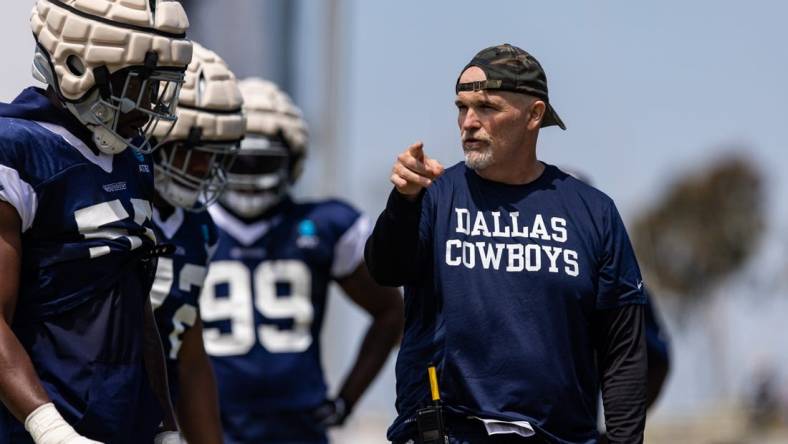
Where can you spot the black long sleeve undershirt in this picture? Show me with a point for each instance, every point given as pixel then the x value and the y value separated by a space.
pixel 623 368
pixel 392 251
pixel 391 255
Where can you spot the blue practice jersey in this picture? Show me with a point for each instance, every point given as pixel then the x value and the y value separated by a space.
pixel 262 309
pixel 86 235
pixel 179 279
pixel 513 277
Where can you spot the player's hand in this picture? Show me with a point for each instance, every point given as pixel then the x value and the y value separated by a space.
pixel 331 413
pixel 414 171
pixel 46 426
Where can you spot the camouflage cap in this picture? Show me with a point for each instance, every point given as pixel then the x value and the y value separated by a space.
pixel 509 68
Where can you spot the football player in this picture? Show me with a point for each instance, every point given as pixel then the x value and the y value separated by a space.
pixel 265 294
pixel 80 357
pixel 189 172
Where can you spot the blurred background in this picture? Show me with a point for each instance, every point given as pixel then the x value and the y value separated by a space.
pixel 675 109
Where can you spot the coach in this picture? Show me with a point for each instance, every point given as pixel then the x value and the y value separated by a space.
pixel 520 281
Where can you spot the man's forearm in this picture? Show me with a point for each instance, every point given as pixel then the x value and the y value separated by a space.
pixel 381 337
pixel 197 405
pixel 20 389
pixel 623 371
pixel 392 249
pixel 198 399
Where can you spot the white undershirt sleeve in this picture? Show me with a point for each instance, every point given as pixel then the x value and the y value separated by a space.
pixel 349 250
pixel 19 194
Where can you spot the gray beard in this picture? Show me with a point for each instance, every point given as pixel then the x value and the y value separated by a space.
pixel 478 160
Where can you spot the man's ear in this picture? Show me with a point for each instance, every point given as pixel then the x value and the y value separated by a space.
pixel 536 114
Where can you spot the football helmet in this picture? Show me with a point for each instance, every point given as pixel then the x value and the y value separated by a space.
pixel 272 154
pixel 191 159
pixel 117 65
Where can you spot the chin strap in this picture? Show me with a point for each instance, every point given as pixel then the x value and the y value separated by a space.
pixel 107 142
pixel 92 116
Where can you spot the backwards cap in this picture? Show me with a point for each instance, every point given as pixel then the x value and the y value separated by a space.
pixel 509 68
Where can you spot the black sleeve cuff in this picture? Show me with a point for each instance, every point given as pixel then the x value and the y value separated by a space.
pixel 401 208
pixel 392 250
pixel 623 372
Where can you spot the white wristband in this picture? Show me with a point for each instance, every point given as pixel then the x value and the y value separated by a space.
pixel 46 426
pixel 168 438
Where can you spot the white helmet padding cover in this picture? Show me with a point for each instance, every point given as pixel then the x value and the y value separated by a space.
pixel 270 111
pixel 81 43
pixel 112 33
pixel 210 100
pixel 272 154
pixel 210 125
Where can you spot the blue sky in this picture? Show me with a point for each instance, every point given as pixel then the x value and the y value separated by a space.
pixel 649 90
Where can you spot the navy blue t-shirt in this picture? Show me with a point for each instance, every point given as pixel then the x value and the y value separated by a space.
pixel 86 232
pixel 262 309
pixel 512 276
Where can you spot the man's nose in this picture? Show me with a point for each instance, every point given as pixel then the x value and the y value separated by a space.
pixel 470 121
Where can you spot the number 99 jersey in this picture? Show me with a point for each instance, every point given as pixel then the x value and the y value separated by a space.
pixel 263 302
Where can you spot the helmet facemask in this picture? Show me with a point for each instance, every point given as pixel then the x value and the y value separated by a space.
pixel 192 174
pixel 125 107
pixel 260 176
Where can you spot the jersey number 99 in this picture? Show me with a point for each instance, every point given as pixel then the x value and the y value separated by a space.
pixel 258 290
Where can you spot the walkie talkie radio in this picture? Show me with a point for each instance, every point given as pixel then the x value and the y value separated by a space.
pixel 429 420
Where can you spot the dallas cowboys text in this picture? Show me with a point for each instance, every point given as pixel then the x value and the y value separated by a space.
pixel 511 256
